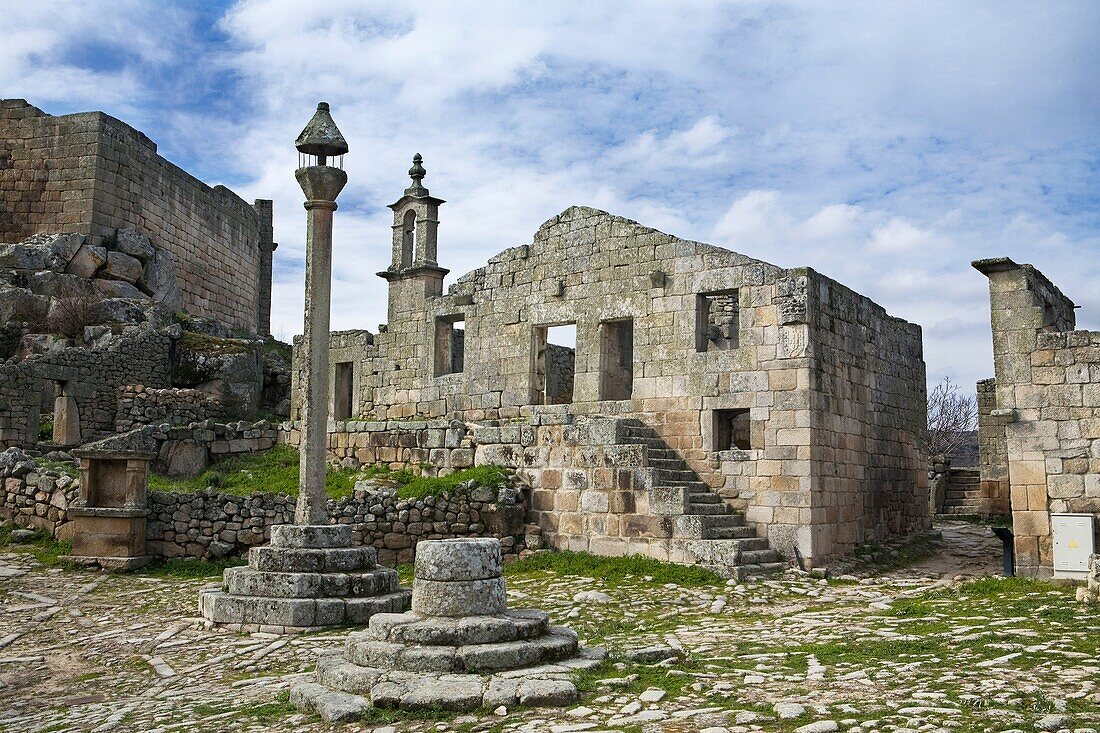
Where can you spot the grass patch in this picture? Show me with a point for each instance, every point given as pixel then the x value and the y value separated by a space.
pixel 274 471
pixel 417 487
pixel 190 568
pixel 615 570
pixel 42 547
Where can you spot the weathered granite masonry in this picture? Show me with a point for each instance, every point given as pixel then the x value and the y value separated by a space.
pixel 1048 401
pixel 92 174
pixel 799 401
pixel 140 405
pixel 459 648
pixel 29 389
pixel 993 458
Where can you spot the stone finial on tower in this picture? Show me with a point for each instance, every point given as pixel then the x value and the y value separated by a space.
pixel 417 173
pixel 415 232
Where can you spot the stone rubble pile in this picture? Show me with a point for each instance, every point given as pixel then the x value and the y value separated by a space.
pixel 308 577
pixel 459 648
pixel 125 273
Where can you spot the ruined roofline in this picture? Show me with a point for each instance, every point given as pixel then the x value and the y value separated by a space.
pixel 991 265
pixel 579 211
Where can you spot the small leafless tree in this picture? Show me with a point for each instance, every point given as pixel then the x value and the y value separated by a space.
pixel 951 415
pixel 73 309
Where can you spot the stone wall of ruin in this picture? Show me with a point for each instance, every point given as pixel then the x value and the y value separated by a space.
pixel 689 366
pixel 868 410
pixel 209 524
pixel 90 376
pixel 992 451
pixel 140 405
pixel 91 174
pixel 1048 393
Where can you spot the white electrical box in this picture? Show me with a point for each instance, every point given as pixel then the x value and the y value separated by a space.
pixel 1073 544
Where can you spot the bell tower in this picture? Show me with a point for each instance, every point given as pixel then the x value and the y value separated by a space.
pixel 414 269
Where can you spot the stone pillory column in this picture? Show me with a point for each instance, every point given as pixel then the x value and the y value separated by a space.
pixel 460 648
pixel 310 575
pixel 321 183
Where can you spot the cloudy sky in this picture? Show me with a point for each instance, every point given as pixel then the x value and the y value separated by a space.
pixel 886 144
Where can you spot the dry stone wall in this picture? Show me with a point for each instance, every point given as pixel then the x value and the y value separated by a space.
pixel 140 405
pixel 210 524
pixel 28 388
pixel 92 174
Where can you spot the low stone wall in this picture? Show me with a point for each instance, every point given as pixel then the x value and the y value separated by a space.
pixel 211 524
pixel 32 496
pixel 139 405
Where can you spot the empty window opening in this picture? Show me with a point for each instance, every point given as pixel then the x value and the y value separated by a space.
pixel 718 321
pixel 342 394
pixel 408 238
pixel 732 430
pixel 616 360
pixel 555 357
pixel 450 345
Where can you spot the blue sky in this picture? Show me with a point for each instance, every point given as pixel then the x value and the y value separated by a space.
pixel 885 144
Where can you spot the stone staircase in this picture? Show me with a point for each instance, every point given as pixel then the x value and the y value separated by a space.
pixel 709 532
pixel 963 493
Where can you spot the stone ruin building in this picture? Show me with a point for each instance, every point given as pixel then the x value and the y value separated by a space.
pixel 1039 421
pixel 714 408
pixel 120 276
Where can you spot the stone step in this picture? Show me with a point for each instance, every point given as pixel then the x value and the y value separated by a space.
pixel 728 533
pixel 693 508
pixel 294 560
pixel 244 581
pixel 297 613
pixel 560 643
pixel 667 464
pixel 699 497
pixel 458 631
pixel 744 572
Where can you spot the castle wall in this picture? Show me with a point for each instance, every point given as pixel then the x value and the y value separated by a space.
pixel 992 452
pixel 92 174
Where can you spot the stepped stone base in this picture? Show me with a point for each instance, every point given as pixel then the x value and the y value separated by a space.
pixel 308 577
pixel 459 648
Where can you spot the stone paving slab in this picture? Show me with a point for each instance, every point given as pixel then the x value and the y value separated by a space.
pixel 890 651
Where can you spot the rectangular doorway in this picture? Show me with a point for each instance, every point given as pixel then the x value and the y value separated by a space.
pixel 342 394
pixel 731 430
pixel 617 360
pixel 555 364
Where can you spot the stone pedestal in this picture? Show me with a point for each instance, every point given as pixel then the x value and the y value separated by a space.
pixel 460 648
pixel 308 577
pixel 108 520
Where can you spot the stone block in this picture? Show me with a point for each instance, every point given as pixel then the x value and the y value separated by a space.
pixel 459 598
pixel 311 536
pixel 458 560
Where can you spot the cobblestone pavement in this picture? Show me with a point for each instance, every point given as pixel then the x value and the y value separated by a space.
pixel 924 648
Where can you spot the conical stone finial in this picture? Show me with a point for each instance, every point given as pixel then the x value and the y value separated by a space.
pixel 417 173
pixel 321 136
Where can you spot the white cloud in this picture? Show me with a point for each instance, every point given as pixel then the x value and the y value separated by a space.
pixel 884 144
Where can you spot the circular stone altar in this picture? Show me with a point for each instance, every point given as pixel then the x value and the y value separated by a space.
pixel 459 649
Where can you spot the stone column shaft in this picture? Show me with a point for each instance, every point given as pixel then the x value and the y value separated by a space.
pixel 312 507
